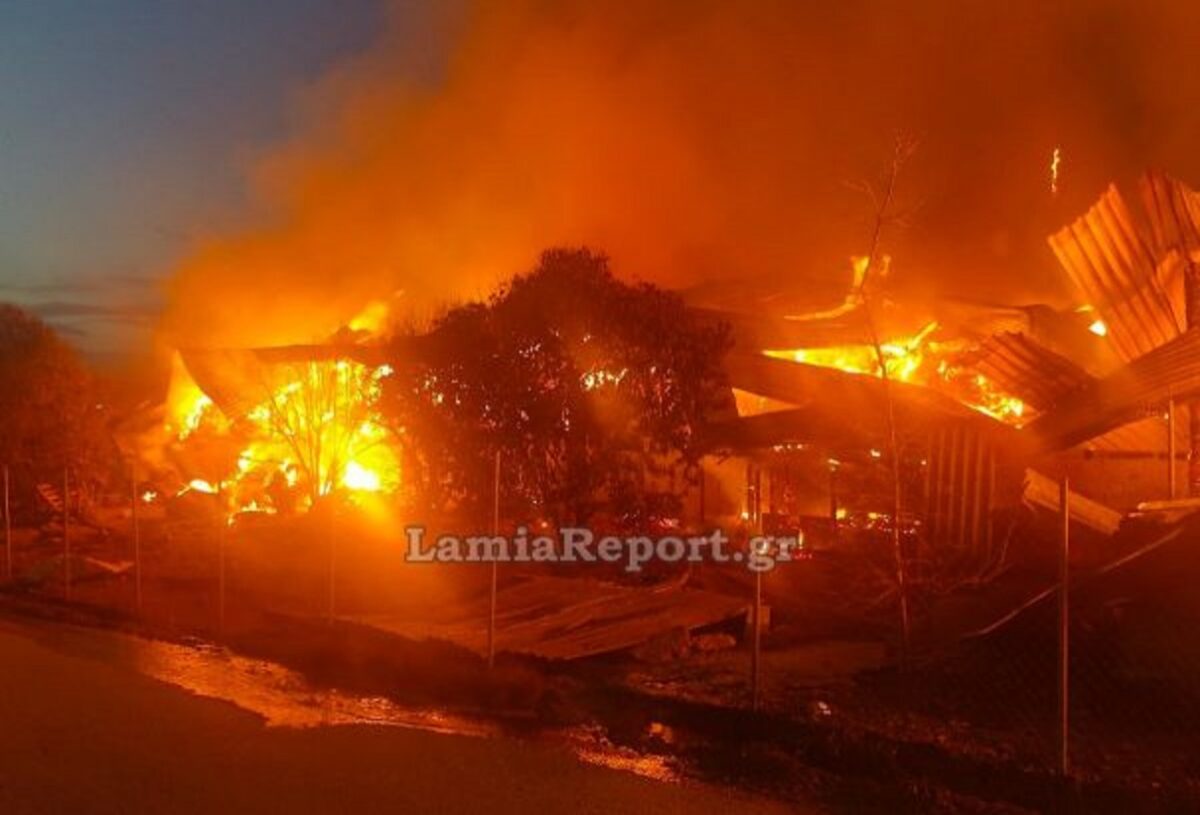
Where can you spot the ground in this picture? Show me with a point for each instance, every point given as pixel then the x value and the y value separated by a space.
pixel 87 734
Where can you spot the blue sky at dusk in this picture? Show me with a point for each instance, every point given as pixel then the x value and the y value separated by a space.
pixel 125 125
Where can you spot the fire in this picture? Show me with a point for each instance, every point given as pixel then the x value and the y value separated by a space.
pixel 358 477
pixel 200 485
pixel 902 357
pixel 918 360
pixel 188 407
pixel 1055 164
pixel 314 429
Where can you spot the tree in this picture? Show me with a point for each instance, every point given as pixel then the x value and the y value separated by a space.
pixel 323 411
pixel 903 150
pixel 583 383
pixel 51 418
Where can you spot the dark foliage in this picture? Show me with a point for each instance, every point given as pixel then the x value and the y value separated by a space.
pixel 591 389
pixel 51 418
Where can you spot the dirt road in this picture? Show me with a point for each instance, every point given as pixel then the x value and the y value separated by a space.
pixel 83 732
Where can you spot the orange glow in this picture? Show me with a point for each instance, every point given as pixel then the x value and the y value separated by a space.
pixel 918 360
pixel 315 428
pixel 902 357
pixel 200 485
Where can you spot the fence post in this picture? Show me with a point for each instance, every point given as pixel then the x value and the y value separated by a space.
pixel 7 528
pixel 137 537
pixel 1064 686
pixel 756 616
pixel 332 555
pixel 1171 488
pixel 756 653
pixel 220 558
pixel 491 639
pixel 66 530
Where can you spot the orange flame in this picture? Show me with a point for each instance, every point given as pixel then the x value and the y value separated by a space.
pixel 917 360
pixel 314 430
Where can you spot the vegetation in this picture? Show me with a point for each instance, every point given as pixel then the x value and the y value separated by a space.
pixel 47 398
pixel 592 391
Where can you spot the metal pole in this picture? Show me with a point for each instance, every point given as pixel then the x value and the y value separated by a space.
pixel 137 538
pixel 1064 685
pixel 66 530
pixel 1171 488
pixel 756 655
pixel 7 527
pixel 833 498
pixel 332 556
pixel 491 640
pixel 220 558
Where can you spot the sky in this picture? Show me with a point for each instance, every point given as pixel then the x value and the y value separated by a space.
pixel 126 126
pixel 257 172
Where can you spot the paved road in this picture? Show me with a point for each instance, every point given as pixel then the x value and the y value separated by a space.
pixel 82 733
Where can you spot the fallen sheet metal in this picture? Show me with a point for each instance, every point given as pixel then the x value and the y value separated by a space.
pixel 1169 371
pixel 564 618
pixel 1114 261
pixel 1027 369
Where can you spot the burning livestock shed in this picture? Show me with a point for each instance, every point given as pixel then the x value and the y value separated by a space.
pixel 946 425
pixel 1102 381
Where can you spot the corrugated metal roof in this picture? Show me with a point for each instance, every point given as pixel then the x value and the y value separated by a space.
pixel 1115 262
pixel 1173 211
pixel 1027 369
pixel 1171 371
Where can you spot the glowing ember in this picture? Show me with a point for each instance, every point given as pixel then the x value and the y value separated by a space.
pixel 1098 328
pixel 1055 164
pixel 598 378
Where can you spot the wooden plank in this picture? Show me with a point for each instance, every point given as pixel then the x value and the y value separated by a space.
pixel 1042 491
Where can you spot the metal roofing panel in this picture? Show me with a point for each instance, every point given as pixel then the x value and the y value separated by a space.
pixel 1113 262
pixel 1027 369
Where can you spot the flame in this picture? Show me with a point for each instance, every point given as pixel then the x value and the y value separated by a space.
pixel 372 319
pixel 358 477
pixel 314 429
pixel 1055 164
pixel 199 485
pixel 188 407
pixel 918 360
pixel 319 429
pixel 901 357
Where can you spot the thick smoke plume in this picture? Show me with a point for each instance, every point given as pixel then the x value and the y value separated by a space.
pixel 697 141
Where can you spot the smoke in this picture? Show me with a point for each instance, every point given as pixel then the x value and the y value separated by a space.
pixel 696 141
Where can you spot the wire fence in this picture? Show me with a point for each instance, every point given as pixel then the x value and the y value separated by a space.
pixel 992 701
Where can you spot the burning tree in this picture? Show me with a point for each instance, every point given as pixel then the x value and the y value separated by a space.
pixel 587 387
pixel 288 425
pixel 324 414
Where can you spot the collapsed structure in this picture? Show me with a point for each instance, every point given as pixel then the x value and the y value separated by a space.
pixel 990 405
pixel 989 401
